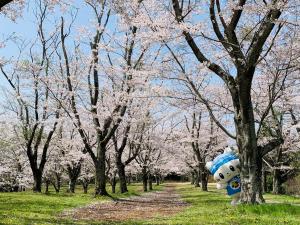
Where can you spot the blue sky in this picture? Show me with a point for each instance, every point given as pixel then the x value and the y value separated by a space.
pixel 24 28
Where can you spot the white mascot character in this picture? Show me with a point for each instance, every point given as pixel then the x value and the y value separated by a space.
pixel 226 171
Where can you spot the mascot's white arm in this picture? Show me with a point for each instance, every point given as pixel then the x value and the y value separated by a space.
pixel 221 186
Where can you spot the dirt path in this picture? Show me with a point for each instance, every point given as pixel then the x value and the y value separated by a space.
pixel 163 203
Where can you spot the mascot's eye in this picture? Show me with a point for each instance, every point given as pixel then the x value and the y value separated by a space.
pixel 221 175
pixel 231 168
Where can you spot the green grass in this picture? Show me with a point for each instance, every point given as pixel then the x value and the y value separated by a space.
pixel 35 208
pixel 207 208
pixel 214 207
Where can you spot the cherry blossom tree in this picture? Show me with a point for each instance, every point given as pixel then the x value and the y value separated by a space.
pixel 88 91
pixel 36 113
pixel 130 135
pixel 15 174
pixel 71 152
pixel 153 154
pixel 4 2
pixel 87 174
pixel 231 48
pixel 122 70
pixel 11 9
pixel 206 141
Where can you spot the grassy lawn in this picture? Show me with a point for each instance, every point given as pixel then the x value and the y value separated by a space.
pixel 207 208
pixel 214 207
pixel 32 208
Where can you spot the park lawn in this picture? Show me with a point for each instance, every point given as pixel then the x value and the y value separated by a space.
pixel 205 208
pixel 214 207
pixel 38 208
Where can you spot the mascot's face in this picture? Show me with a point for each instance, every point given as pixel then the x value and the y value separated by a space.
pixel 227 171
pixel 225 166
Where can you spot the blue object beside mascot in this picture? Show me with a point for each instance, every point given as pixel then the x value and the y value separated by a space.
pixel 225 169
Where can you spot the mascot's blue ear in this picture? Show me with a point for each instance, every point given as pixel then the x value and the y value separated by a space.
pixel 209 165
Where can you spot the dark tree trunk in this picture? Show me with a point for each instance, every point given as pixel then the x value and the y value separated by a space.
pixel 276 182
pixel 259 180
pixel 192 178
pixel 204 181
pixel 113 184
pixel 197 179
pixel 37 185
pixel 250 161
pixel 157 180
pixel 85 186
pixel 203 176
pixel 129 179
pixel 122 177
pixel 72 185
pixel 47 183
pixel 264 181
pixel 150 182
pixel 145 178
pixel 57 189
pixel 145 188
pixel 32 154
pixel 57 182
pixel 277 188
pixel 74 170
pixel 100 176
pixel 249 170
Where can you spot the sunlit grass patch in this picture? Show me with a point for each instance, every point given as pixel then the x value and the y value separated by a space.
pixel 39 208
pixel 214 207
pixel 207 208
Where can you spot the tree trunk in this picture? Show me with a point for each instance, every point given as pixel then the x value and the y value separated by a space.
pixel 204 181
pixel 250 174
pixel 100 177
pixel 37 176
pixel 122 177
pixel 47 183
pixel 250 162
pixel 74 170
pixel 192 178
pixel 57 182
pixel 150 182
pixel 85 186
pixel 157 179
pixel 145 178
pixel 203 176
pixel 277 188
pixel 276 183
pixel 72 184
pixel 197 179
pixel 259 181
pixel 129 179
pixel 264 181
pixel 113 184
pixel 162 179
